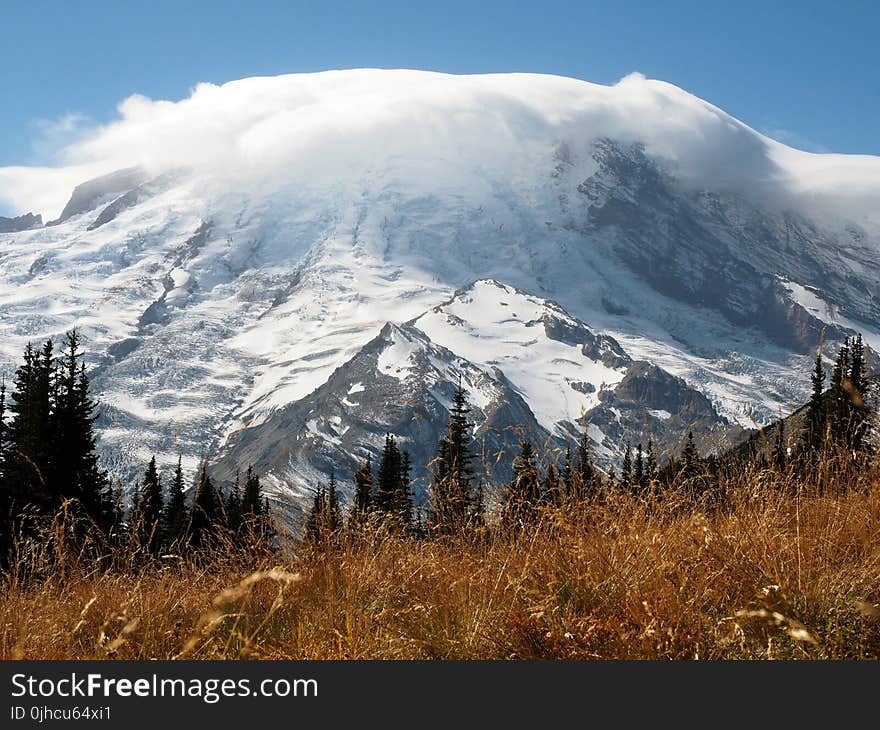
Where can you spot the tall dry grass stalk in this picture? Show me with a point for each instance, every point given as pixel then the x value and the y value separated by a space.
pixel 774 567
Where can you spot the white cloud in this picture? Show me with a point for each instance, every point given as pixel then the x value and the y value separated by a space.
pixel 430 129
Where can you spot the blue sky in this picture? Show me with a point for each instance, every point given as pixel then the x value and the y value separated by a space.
pixel 803 72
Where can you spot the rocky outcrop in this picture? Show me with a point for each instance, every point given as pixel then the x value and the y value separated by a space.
pixel 21 223
pixel 89 195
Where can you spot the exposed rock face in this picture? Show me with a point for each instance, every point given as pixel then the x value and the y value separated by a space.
pixel 89 195
pixel 21 223
pixel 402 382
pixel 399 383
pixel 651 403
pixel 718 251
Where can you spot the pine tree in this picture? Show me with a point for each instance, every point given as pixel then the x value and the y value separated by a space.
pixel 639 468
pixel 451 488
pixel 232 506
pixel 779 455
pixel 334 512
pixel 388 477
pixel 28 432
pixel 314 529
pixel 691 466
pixel 205 509
pixel 251 500
pixel 175 515
pixel 857 392
pixel 586 472
pixel 626 470
pixel 566 475
pixel 147 512
pixel 363 492
pixel 551 489
pixel 403 498
pixel 651 467
pixel 816 414
pixel 5 496
pixel 523 493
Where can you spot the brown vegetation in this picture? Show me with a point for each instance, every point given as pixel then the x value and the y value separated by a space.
pixel 769 567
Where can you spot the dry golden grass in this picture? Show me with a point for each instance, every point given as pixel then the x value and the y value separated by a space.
pixel 777 571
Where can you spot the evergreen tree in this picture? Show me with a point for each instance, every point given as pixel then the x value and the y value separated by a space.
pixel 523 493
pixel 586 472
pixel 551 489
pixel 691 466
pixel 814 431
pixel 403 498
pixel 639 468
pixel 567 473
pixel 147 513
pixel 651 467
pixel 334 512
pixel 205 509
pixel 363 492
pixel 626 470
pixel 779 455
pixel 251 501
pixel 28 433
pixel 315 528
pixel 232 506
pixel 175 515
pixel 857 407
pixel 451 488
pixel 388 478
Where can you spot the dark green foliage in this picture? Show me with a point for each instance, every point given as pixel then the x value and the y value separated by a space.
pixel 626 470
pixel 147 513
pixel 363 492
pixel 206 510
pixel 814 433
pixel 175 516
pixel 453 473
pixel 523 493
pixel 393 497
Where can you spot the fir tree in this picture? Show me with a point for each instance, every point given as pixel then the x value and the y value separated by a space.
pixel 363 492
pixel 779 455
pixel 175 516
pixel 523 493
pixel 626 470
pixel 566 475
pixel 314 528
pixel 451 488
pixel 858 411
pixel 639 468
pixel 205 509
pixel 334 512
pixel 147 512
pixel 651 467
pixel 403 498
pixel 232 506
pixel 551 488
pixel 28 433
pixel 586 472
pixel 814 431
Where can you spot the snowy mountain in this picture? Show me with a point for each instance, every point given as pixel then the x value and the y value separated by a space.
pixel 276 270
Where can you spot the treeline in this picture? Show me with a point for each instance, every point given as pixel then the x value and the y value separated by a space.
pixel 48 459
pixel 838 418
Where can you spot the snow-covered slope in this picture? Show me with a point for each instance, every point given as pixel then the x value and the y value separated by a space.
pixel 231 252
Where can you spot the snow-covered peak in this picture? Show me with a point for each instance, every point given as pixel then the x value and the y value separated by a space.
pixel 553 360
